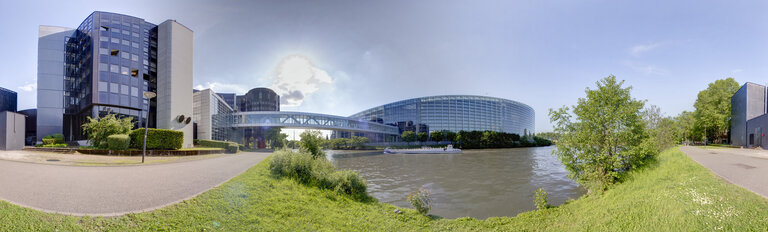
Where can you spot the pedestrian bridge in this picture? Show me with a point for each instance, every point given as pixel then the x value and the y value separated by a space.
pixel 303 120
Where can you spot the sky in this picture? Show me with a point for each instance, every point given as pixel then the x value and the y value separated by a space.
pixel 342 57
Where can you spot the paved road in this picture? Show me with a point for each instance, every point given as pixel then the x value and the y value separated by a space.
pixel 742 167
pixel 112 191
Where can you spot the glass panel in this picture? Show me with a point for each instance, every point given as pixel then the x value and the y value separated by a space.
pixel 114 68
pixel 114 88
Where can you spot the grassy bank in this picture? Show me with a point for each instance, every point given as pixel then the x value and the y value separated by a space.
pixel 676 193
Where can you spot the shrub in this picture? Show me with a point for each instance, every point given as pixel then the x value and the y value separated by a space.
pixel 348 182
pixel 118 142
pixel 99 129
pixel 230 147
pixel 421 200
pixel 159 139
pixel 320 172
pixel 541 199
pixel 52 145
pixel 310 143
pixel 53 139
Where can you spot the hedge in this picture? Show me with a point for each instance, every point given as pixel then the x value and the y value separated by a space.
pixel 118 142
pixel 231 147
pixel 159 139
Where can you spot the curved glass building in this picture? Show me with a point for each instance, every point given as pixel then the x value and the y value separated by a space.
pixel 455 113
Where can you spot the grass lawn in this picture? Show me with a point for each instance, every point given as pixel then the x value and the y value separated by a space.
pixel 675 194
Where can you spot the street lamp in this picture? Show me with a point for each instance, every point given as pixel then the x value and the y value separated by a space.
pixel 149 96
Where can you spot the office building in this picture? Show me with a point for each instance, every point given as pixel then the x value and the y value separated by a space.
pixel 748 116
pixel 105 65
pixel 7 100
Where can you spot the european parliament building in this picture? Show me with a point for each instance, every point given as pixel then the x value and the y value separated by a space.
pixel 454 113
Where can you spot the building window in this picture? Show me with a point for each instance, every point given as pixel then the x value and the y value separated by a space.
pixel 134 57
pixel 103 86
pixel 103 67
pixel 126 43
pixel 103 38
pixel 114 52
pixel 104 28
pixel 124 89
pixel 124 70
pixel 135 45
pixel 115 40
pixel 114 68
pixel 114 88
pixel 134 72
pixel 125 55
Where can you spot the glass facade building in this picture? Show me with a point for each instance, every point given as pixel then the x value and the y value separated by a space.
pixel 110 60
pixel 8 100
pixel 456 113
pixel 213 116
pixel 259 99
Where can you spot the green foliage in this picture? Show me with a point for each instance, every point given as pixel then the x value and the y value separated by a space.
pixel 713 109
pixel 230 147
pixel 317 172
pixel 99 129
pixel 422 136
pixel 541 200
pixel 436 136
pixel 275 139
pixel 606 138
pixel 157 139
pixel 450 135
pixel 311 142
pixel 408 136
pixel 118 142
pixel 421 200
pixel 53 139
pixel 493 139
pixel 52 145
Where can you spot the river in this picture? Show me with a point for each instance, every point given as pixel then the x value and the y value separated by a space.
pixel 477 183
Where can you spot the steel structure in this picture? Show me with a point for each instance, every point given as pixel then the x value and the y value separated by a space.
pixel 308 121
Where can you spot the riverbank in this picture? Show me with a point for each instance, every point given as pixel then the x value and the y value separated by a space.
pixel 675 193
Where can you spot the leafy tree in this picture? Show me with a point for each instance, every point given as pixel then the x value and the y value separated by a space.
pixel 422 136
pixel 275 138
pixel 359 142
pixel 436 136
pixel 408 136
pixel 99 129
pixel 713 109
pixel 311 142
pixel 450 135
pixel 684 123
pixel 604 137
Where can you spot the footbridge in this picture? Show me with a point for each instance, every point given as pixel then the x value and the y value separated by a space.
pixel 303 120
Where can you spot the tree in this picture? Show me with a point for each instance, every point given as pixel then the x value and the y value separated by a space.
pixel 713 109
pixel 422 136
pixel 604 137
pixel 311 142
pixel 408 136
pixel 98 129
pixel 684 122
pixel 450 135
pixel 359 142
pixel 274 137
pixel 436 136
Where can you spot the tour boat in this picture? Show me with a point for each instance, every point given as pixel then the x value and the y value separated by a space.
pixel 424 150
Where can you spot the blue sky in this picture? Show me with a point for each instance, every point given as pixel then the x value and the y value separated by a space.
pixel 347 56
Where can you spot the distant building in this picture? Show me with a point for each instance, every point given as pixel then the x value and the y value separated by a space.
pixel 454 113
pixel 229 98
pixel 258 99
pixel 748 116
pixel 212 116
pixel 111 60
pixel 7 100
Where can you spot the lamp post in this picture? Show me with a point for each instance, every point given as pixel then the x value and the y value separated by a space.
pixel 149 96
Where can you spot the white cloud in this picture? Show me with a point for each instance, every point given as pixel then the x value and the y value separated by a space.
pixel 295 78
pixel 223 88
pixel 646 68
pixel 642 48
pixel 29 87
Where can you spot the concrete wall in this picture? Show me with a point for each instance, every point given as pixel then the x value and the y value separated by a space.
pixel 202 113
pixel 757 127
pixel 11 130
pixel 50 79
pixel 174 78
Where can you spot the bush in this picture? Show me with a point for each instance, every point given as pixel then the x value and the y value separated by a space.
pixel 52 145
pixel 319 172
pixel 53 139
pixel 421 200
pixel 348 182
pixel 118 142
pixel 541 199
pixel 230 147
pixel 158 139
pixel 99 129
pixel 310 143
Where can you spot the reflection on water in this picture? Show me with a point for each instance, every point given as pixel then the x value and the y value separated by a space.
pixel 477 183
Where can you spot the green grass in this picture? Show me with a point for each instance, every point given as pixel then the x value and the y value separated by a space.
pixel 674 194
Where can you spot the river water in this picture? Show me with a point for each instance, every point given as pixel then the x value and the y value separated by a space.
pixel 477 183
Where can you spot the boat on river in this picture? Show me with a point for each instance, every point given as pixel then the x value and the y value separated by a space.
pixel 424 150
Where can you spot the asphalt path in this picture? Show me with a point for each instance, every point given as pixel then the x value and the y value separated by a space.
pixel 742 167
pixel 116 190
